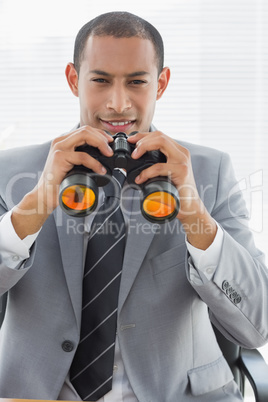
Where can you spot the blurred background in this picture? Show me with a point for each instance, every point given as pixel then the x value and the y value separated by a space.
pixel 218 95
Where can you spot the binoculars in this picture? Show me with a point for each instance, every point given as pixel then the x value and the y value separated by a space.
pixel 78 195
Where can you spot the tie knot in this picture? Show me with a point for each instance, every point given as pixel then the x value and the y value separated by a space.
pixel 113 188
pixel 119 176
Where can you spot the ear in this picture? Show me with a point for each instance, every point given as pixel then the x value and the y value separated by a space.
pixel 72 78
pixel 163 81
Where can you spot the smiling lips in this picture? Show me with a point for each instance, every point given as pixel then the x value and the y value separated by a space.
pixel 119 123
pixel 116 126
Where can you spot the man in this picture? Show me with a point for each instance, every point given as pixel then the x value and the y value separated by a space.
pixel 176 277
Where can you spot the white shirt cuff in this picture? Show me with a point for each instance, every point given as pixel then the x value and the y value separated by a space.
pixel 13 250
pixel 207 260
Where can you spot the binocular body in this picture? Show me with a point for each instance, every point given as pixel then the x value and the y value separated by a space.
pixel 78 194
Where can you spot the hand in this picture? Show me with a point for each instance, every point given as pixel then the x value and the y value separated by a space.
pixel 198 224
pixel 30 214
pixel 178 167
pixel 62 157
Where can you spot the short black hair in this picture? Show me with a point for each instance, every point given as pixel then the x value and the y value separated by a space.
pixel 119 24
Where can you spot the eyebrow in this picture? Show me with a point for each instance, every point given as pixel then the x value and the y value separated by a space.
pixel 105 74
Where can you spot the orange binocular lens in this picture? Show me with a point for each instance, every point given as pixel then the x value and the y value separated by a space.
pixel 159 197
pixel 78 198
pixel 160 201
pixel 159 205
pixel 78 195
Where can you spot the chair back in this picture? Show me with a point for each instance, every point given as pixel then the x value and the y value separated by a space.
pixel 231 352
pixel 3 303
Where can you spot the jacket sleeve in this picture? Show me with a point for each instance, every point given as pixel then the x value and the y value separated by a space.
pixel 237 294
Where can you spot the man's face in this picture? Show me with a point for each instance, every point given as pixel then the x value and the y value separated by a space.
pixel 118 84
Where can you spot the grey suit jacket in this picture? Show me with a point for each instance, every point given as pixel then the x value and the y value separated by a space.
pixel 164 314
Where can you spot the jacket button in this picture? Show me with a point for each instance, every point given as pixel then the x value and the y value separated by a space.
pixel 237 300
pixel 67 346
pixel 233 295
pixel 225 285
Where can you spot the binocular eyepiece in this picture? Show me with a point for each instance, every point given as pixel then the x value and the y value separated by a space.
pixel 78 194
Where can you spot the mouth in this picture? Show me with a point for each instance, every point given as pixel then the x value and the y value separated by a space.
pixel 117 125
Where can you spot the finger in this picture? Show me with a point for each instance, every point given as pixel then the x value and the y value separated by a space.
pixel 85 135
pixel 69 134
pixel 91 136
pixel 155 142
pixel 82 158
pixel 159 169
pixel 136 137
pixel 65 161
pixel 177 172
pixel 89 129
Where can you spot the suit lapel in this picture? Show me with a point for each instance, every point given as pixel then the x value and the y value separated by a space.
pixel 137 245
pixel 70 232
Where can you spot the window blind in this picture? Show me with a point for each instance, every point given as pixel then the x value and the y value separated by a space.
pixel 217 96
pixel 218 93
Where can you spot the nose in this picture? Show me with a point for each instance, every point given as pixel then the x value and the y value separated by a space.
pixel 119 99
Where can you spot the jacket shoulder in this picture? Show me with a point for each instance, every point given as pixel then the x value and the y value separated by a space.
pixel 206 160
pixel 201 151
pixel 23 159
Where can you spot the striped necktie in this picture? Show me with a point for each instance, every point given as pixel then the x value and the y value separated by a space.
pixel 92 367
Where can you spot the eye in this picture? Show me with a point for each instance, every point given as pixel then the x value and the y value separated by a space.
pixel 99 80
pixel 138 82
